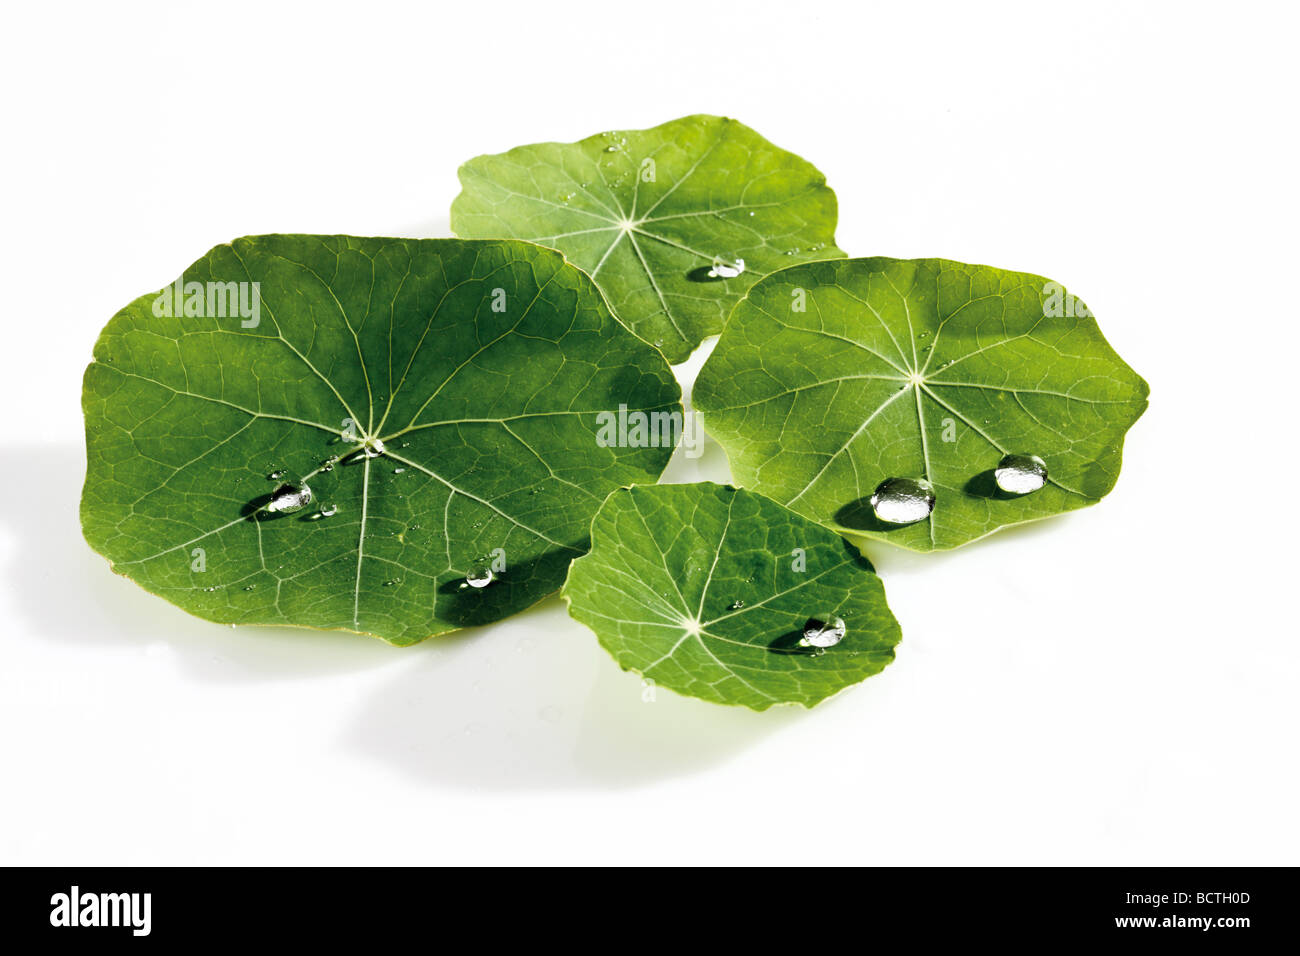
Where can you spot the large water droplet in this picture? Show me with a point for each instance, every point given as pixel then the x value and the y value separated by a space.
pixel 1020 474
pixel 479 576
pixel 903 500
pixel 824 631
pixel 288 498
pixel 722 269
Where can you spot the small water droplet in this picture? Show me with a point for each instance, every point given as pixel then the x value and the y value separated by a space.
pixel 735 605
pixel 1020 474
pixel 250 587
pixel 903 500
pixel 373 448
pixel 398 471
pixel 288 498
pixel 276 475
pixel 923 334
pixel 391 581
pixel 329 463
pixel 792 252
pixel 823 631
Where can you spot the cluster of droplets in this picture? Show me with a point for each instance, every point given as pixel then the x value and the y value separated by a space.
pixel 904 501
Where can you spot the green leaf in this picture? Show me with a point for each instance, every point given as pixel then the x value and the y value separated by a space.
pixel 833 376
pixel 706 590
pixel 481 366
pixel 648 214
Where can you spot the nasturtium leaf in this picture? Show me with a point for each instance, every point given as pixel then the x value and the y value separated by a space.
pixel 480 368
pixel 707 589
pixel 832 377
pixel 658 217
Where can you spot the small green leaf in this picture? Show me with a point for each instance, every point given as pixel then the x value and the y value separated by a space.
pixel 658 217
pixel 707 590
pixel 832 377
pixel 480 368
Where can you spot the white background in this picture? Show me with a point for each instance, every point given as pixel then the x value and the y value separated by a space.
pixel 1114 686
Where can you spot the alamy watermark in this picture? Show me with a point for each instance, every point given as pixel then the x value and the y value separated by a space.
pixel 1060 304
pixel 212 300
pixel 638 429
pixel 76 908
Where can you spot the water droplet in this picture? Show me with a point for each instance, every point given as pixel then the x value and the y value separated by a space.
pixel 250 587
pixel 479 576
pixel 288 498
pixel 923 334
pixel 791 252
pixel 735 605
pixel 276 475
pixel 391 581
pixel 329 463
pixel 327 511
pixel 903 500
pixel 824 631
pixel 370 448
pixel 398 471
pixel 726 270
pixel 1021 474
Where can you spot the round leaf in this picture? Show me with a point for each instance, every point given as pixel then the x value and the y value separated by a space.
pixel 706 590
pixel 658 217
pixel 832 377
pixel 481 367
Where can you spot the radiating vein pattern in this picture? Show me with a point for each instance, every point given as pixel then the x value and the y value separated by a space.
pixel 833 376
pixel 705 589
pixel 647 213
pixel 480 368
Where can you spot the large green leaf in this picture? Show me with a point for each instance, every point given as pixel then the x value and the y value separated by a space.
pixel 833 376
pixel 648 214
pixel 481 366
pixel 706 590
